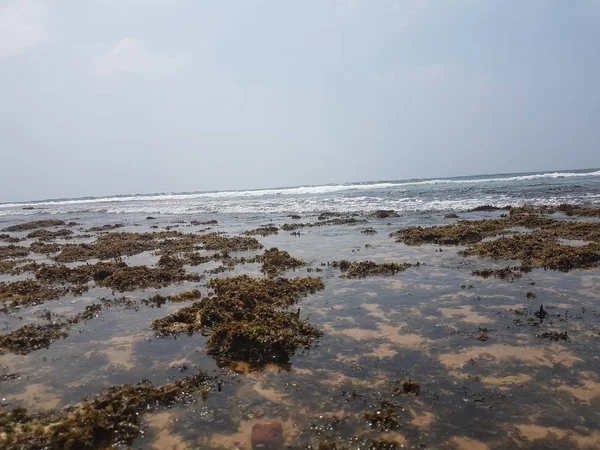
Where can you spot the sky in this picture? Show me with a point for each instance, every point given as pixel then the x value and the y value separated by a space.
pixel 103 97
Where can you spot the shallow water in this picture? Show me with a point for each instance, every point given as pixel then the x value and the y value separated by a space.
pixel 513 390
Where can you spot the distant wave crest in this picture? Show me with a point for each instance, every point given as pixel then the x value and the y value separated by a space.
pixel 295 191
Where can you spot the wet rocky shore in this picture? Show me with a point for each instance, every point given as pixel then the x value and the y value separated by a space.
pixel 378 330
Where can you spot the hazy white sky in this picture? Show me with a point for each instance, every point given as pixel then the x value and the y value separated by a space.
pixel 125 96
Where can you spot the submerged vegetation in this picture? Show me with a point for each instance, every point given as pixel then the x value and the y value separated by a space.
pixel 275 261
pixel 111 419
pixel 247 319
pixel 525 235
pixel 364 269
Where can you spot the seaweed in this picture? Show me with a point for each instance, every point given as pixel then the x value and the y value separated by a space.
pixel 111 419
pixel 156 301
pixel 538 248
pixel 505 273
pixel 384 214
pixel 320 223
pixel 27 226
pixel 13 251
pixel 263 231
pixel 369 230
pixel 488 208
pixel 554 336
pixel 25 293
pixel 9 239
pixel 106 227
pixel 275 261
pixel 384 418
pixel 364 269
pixel 37 336
pixel 116 275
pixel 46 235
pixel 46 249
pixel 245 318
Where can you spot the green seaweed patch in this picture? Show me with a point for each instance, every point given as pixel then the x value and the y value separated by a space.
pixel 111 419
pixel 364 269
pixel 27 226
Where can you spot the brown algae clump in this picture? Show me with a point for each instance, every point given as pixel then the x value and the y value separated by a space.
pixel 117 244
pixel 156 301
pixel 369 230
pixel 36 336
pixel 46 235
pixel 384 418
pixel 118 276
pixel 536 250
pixel 31 337
pixel 275 261
pixel 364 269
pixel 465 231
pixel 540 246
pixel 35 224
pixel 110 419
pixel 384 214
pixel 26 292
pixel 263 231
pixel 13 251
pixel 246 318
pixel 320 223
pixel 505 273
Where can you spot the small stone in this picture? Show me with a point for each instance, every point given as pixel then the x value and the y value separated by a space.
pixel 267 436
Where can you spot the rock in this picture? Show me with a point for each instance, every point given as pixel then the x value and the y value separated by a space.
pixel 150 218
pixel 267 436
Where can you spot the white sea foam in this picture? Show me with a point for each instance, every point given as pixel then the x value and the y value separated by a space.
pixel 295 191
pixel 301 199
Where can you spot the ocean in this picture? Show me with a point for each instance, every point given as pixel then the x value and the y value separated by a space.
pixel 459 194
